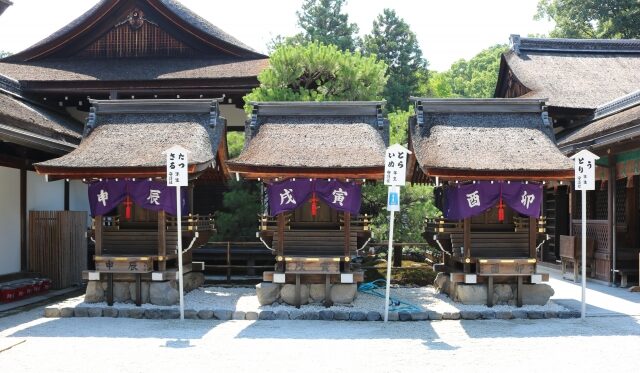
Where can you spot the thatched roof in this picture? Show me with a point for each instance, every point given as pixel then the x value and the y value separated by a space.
pixel 134 69
pixel 609 123
pixel 168 8
pixel 572 73
pixel 4 4
pixel 314 136
pixel 34 126
pixel 30 117
pixel 132 134
pixel 492 137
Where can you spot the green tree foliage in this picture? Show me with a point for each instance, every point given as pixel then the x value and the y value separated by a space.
pixel 416 203
pixel 235 143
pixel 237 221
pixel 4 54
pixel 474 78
pixel 416 200
pixel 325 22
pixel 317 72
pixel 393 42
pixel 598 19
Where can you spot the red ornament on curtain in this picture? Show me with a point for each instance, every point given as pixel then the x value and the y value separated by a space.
pixel 127 209
pixel 314 205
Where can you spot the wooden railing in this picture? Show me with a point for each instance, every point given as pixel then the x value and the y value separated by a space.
pixel 189 222
pixel 359 223
pixel 192 223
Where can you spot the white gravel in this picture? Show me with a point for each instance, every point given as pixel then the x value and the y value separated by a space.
pixel 245 299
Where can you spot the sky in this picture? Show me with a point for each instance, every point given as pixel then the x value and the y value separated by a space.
pixel 447 30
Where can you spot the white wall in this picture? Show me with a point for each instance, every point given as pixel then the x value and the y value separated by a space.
pixel 44 196
pixel 9 220
pixel 79 198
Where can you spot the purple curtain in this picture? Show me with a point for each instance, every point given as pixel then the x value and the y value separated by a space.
pixel 104 196
pixel 468 200
pixel 289 195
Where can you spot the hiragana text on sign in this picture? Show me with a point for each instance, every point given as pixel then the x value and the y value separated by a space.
pixel 177 170
pixel 395 165
pixel 585 170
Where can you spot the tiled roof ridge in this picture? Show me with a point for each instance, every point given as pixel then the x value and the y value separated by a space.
pixel 563 45
pixel 617 105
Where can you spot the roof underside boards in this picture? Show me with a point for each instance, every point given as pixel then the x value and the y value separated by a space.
pixel 132 137
pixel 314 139
pixel 576 74
pixel 612 120
pixel 32 126
pixel 456 140
pixel 170 15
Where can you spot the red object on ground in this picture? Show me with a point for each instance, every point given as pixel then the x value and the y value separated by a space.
pixel 7 294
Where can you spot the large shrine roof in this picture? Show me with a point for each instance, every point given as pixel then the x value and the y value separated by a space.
pixel 322 138
pixel 31 125
pixel 611 122
pixel 497 138
pixel 571 73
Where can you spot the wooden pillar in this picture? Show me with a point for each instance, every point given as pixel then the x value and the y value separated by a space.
pixel 347 240
pixel 533 231
pixel 611 223
pixel 467 244
pixel 97 222
pixel 280 248
pixel 191 187
pixel 632 213
pixel 24 267
pixel 162 239
pixel 66 195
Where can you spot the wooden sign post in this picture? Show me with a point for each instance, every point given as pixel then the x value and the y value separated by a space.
pixel 395 173
pixel 585 173
pixel 177 176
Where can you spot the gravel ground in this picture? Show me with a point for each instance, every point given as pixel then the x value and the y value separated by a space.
pixel 124 345
pixel 245 299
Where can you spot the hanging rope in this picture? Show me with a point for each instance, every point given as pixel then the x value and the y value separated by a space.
pixel 395 304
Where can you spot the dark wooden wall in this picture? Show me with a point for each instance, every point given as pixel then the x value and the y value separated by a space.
pixel 148 40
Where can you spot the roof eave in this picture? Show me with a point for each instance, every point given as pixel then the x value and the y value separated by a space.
pixel 61 172
pixel 270 172
pixel 35 141
pixel 469 174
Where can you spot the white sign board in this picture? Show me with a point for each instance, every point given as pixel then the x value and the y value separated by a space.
pixel 177 166
pixel 585 170
pixel 395 165
pixel 393 198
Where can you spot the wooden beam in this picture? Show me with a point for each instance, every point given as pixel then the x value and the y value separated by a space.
pixel 467 243
pixel 611 222
pixel 347 241
pixel 254 172
pixel 66 195
pixel 162 238
pixel 23 221
pixel 533 233
pixel 466 174
pixel 280 248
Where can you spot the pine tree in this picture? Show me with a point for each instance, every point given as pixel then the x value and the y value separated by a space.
pixel 324 21
pixel 393 42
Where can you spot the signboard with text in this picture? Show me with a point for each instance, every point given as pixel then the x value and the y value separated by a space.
pixel 395 165
pixel 177 166
pixel 585 170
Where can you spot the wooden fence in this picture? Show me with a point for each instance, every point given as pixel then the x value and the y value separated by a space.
pixel 58 246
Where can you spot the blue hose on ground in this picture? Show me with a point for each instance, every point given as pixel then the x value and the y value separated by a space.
pixel 395 304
